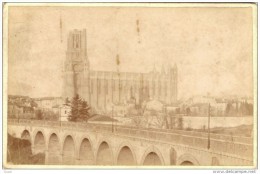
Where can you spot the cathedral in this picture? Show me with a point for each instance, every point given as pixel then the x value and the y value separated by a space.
pixel 101 89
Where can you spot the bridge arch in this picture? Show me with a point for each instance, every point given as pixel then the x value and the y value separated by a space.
pixel 26 135
pixel 54 149
pixel 187 160
pixel 125 154
pixel 86 152
pixel 152 156
pixel 39 142
pixel 104 154
pixel 68 150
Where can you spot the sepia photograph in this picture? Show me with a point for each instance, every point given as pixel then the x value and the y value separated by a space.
pixel 130 85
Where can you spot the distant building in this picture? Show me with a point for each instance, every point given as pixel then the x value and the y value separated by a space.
pixel 20 111
pixel 201 99
pixel 200 109
pixel 154 105
pixel 14 110
pixel 56 109
pixel 48 103
pixel 119 110
pixel 20 107
pixel 173 110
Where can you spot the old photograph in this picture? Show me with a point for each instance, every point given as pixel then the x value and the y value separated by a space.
pixel 130 85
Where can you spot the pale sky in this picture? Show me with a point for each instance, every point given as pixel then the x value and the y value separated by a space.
pixel 212 47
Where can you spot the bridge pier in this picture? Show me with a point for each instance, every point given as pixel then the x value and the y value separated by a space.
pixel 33 149
pixel 78 161
pixel 46 157
pixel 52 158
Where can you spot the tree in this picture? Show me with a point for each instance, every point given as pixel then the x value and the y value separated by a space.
pixel 136 121
pixel 50 115
pixel 83 112
pixel 38 114
pixel 79 110
pixel 74 113
pixel 156 118
pixel 230 110
pixel 180 123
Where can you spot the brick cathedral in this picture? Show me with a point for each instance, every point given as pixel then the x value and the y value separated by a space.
pixel 101 89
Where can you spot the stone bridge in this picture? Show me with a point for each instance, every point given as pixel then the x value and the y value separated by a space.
pixel 94 144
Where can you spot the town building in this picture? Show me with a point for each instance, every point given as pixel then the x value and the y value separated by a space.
pixel 48 103
pixel 20 107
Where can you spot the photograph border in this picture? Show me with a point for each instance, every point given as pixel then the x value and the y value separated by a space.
pixel 6 5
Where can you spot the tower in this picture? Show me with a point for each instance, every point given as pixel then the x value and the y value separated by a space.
pixel 173 73
pixel 76 66
pixel 175 84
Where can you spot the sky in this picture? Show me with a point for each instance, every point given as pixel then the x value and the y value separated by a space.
pixel 212 47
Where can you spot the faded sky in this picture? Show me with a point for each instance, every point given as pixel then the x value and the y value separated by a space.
pixel 211 46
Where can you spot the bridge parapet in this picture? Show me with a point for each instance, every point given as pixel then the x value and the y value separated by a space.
pixel 199 140
pixel 92 126
pixel 217 145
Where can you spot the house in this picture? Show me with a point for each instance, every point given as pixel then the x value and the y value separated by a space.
pixel 20 111
pixel 173 110
pixel 64 112
pixel 14 110
pixel 154 105
pixel 47 103
pixel 120 110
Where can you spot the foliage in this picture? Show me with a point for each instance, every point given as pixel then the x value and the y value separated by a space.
pixel 133 111
pixel 46 115
pixel 38 114
pixel 50 115
pixel 243 109
pixel 155 119
pixel 79 110
pixel 19 152
pixel 136 121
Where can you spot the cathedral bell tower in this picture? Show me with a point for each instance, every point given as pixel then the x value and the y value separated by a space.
pixel 76 65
